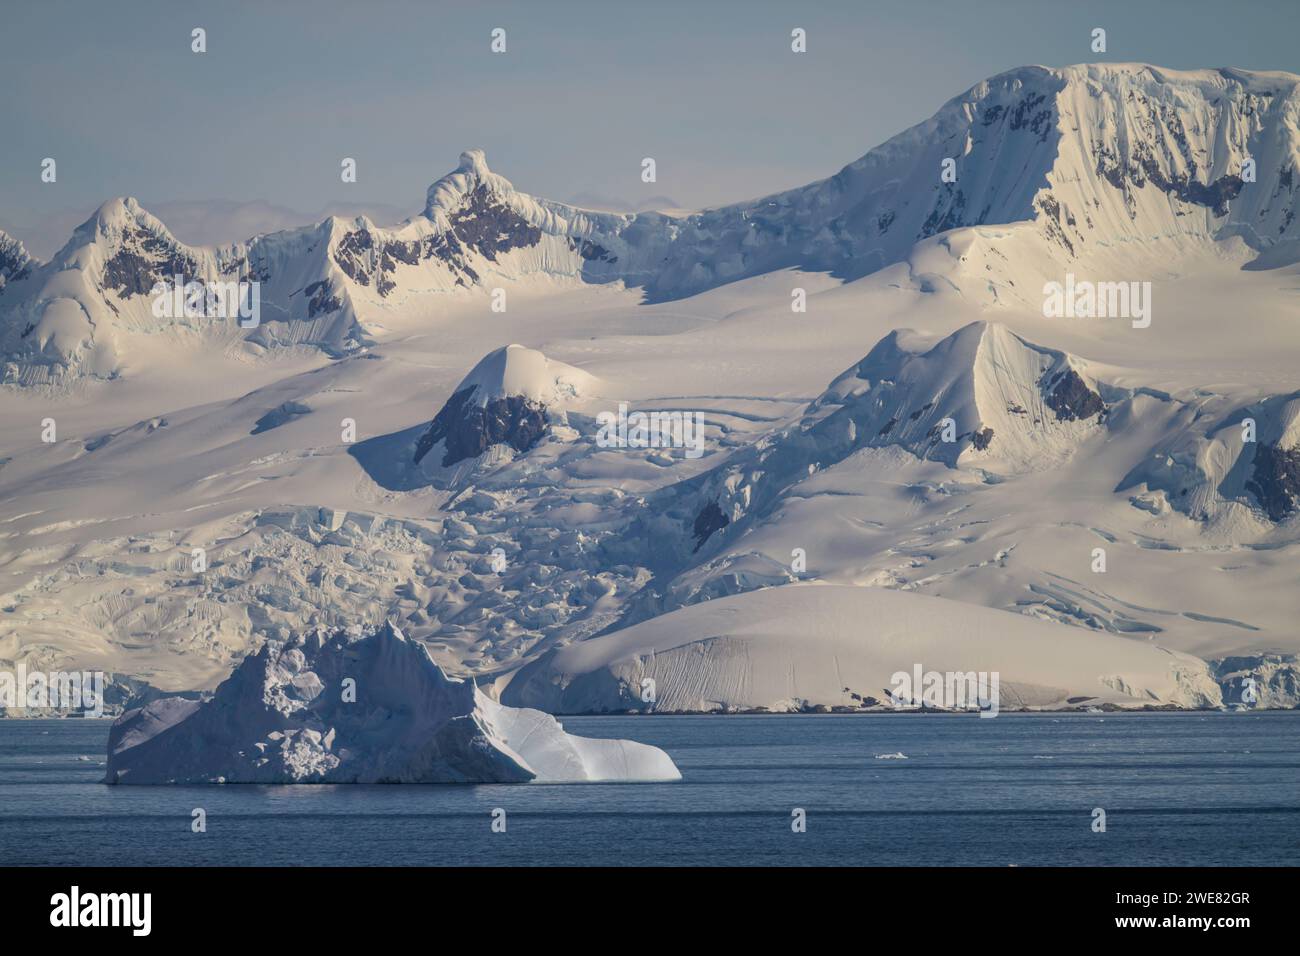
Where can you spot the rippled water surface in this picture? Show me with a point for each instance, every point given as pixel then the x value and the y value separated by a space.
pixel 1189 789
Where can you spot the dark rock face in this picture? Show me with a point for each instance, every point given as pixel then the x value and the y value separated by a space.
pixel 1141 166
pixel 1285 181
pixel 1056 221
pixel 320 300
pixel 592 251
pixel 1215 195
pixel 448 249
pixel 1030 113
pixel 1276 480
pixel 15 264
pixel 488 226
pixel 247 271
pixel 482 224
pixel 278 416
pixel 143 261
pixel 353 256
pixel 981 439
pixel 1071 399
pixel 469 430
pixel 362 258
pixel 946 216
pixel 709 520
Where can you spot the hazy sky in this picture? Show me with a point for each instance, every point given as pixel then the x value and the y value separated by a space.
pixel 587 88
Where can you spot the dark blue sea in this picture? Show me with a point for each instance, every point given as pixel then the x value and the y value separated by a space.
pixel 1177 789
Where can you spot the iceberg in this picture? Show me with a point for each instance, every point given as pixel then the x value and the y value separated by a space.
pixel 359 707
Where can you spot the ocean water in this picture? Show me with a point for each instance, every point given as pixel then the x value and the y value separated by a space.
pixel 1177 789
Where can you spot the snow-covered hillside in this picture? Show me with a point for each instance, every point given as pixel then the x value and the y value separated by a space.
pixel 789 648
pixel 1237 473
pixel 386 444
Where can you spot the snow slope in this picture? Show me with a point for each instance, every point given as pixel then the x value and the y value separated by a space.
pixel 1242 471
pixel 359 708
pixel 786 648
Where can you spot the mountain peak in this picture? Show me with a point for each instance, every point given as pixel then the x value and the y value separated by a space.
pixel 114 219
pixel 119 210
pixel 449 192
pixel 510 398
pixel 474 162
pixel 518 371
pixel 1024 403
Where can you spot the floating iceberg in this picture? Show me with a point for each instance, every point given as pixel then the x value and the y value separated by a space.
pixel 359 708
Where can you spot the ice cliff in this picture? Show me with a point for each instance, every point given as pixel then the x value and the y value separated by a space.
pixel 361 707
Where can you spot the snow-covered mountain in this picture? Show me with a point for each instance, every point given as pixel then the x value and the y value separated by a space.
pixel 511 398
pixel 80 314
pixel 1092 156
pixel 982 399
pixel 376 449
pixel 1019 404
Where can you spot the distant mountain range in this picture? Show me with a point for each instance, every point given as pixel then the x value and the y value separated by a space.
pixel 1091 156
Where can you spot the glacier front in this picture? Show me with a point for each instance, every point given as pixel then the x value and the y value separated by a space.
pixel 359 707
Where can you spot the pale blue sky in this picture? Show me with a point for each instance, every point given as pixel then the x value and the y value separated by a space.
pixel 587 88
